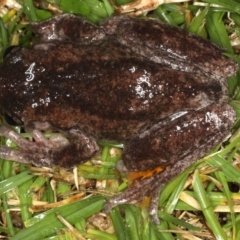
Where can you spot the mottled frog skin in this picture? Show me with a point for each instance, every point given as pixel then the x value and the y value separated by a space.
pixel 156 88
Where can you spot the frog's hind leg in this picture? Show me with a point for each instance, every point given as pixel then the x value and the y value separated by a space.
pixel 148 187
pixel 189 138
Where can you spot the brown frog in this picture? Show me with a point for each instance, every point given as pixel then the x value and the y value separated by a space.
pixel 156 88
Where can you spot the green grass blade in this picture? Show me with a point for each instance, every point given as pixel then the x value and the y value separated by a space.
pixel 14 181
pixel 118 224
pixel 45 224
pixel 207 208
pixel 217 31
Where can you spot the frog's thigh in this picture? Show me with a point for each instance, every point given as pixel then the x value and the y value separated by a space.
pixel 177 149
pixel 188 137
pixel 81 148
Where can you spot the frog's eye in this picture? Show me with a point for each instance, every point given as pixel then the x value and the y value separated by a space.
pixel 11 120
pixel 10 49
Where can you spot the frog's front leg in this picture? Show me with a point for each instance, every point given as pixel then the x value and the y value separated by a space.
pixel 71 148
pixel 173 147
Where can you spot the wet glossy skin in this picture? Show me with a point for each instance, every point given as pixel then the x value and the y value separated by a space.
pixel 156 88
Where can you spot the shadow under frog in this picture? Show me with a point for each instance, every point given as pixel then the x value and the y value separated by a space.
pixel 156 88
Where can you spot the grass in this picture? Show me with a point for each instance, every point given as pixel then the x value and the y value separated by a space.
pixel 201 203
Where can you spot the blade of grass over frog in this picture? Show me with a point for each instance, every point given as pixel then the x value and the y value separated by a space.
pixel 197 23
pixel 118 223
pixel 217 30
pixel 8 217
pixel 99 235
pixel 29 10
pixel 207 209
pixel 228 195
pixel 226 168
pixel 14 181
pixel 164 15
pixel 45 224
pixel 25 197
pixel 174 197
pixel 229 4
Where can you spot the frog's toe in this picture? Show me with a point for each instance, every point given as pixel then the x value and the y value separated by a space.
pixel 59 150
pixel 37 152
pixel 38 159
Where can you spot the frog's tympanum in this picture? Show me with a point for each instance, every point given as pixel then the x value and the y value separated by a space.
pixel 156 88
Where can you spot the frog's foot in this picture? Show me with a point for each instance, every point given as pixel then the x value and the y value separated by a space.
pixel 148 187
pixel 140 7
pixel 140 189
pixel 57 150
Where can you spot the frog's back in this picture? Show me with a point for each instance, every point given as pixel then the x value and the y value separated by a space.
pixel 99 86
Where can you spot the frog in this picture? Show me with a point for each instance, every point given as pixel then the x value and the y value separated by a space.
pixel 158 89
